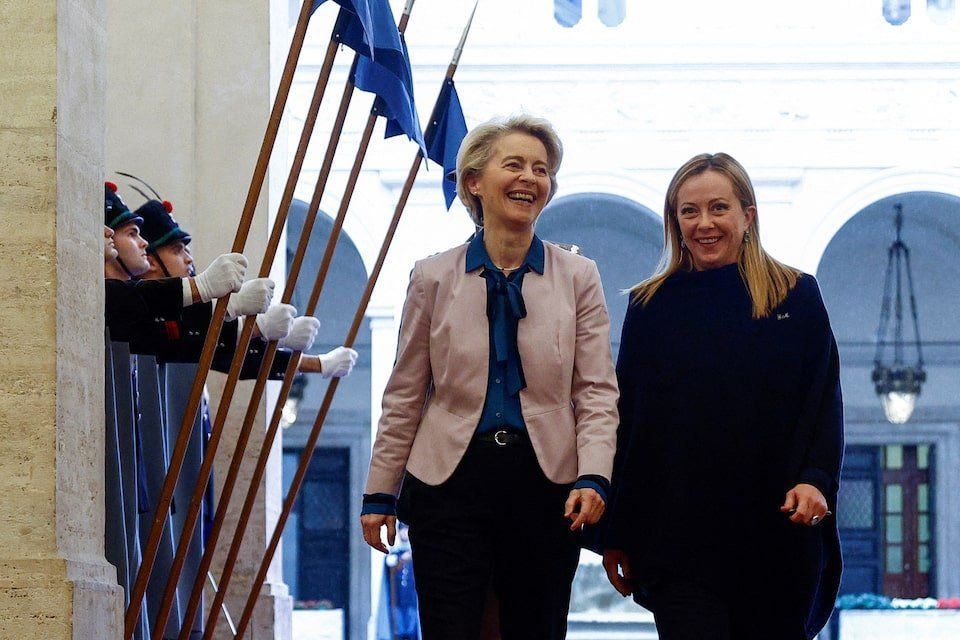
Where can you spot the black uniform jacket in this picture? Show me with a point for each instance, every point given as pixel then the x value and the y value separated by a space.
pixel 149 314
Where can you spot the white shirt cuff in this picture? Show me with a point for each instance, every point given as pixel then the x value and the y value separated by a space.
pixel 187 292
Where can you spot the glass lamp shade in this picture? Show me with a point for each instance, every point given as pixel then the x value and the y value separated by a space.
pixel 898 387
pixel 898 406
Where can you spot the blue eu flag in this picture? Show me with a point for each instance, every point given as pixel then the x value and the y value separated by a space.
pixel 393 87
pixel 383 67
pixel 444 135
pixel 374 20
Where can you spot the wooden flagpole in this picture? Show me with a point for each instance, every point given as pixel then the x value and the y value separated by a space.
pixel 196 500
pixel 230 480
pixel 132 613
pixel 311 442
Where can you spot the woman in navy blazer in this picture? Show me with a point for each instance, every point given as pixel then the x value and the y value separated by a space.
pixel 731 428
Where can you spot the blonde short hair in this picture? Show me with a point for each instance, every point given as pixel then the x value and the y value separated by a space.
pixel 477 147
pixel 767 280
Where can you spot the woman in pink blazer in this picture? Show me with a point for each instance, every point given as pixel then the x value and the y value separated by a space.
pixel 499 420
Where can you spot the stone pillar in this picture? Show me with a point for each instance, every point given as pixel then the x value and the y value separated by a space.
pixel 191 92
pixel 54 580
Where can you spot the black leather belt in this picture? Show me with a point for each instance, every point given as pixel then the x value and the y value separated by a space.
pixel 503 437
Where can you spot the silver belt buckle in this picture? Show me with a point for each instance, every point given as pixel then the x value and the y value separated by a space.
pixel 496 438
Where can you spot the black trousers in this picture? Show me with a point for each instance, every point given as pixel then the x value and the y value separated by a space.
pixel 496 523
pixel 684 610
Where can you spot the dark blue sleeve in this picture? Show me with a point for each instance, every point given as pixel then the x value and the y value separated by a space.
pixel 254 359
pixel 821 422
pixel 138 310
pixel 382 503
pixel 596 482
pixel 605 534
pixel 187 335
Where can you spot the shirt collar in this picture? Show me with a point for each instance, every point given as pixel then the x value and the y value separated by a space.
pixel 477 255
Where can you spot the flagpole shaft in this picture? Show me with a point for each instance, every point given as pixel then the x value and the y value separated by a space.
pixel 327 400
pixel 331 391
pixel 287 384
pixel 236 364
pixel 230 480
pixel 139 588
pixel 311 307
pixel 331 247
pixel 312 439
pixel 247 509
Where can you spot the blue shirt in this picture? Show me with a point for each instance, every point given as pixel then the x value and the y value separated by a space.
pixel 505 309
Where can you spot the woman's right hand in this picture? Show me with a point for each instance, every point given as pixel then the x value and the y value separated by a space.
pixel 372 524
pixel 617 566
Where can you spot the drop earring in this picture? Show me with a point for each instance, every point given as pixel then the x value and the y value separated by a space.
pixel 746 236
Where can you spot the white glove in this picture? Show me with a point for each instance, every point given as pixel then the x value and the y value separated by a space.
pixel 338 363
pixel 302 334
pixel 254 297
pixel 223 276
pixel 276 323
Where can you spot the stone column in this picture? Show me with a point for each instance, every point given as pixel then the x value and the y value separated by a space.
pixel 54 580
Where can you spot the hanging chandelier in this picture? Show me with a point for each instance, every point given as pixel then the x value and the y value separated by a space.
pixel 898 384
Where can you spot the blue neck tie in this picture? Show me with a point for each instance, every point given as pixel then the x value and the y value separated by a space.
pixel 505 308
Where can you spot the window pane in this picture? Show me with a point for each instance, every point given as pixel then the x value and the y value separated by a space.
pixel 923 456
pixel 612 12
pixel 894 498
pixel 896 12
pixel 567 12
pixel 923 528
pixel 940 11
pixel 323 506
pixel 894 559
pixel 923 497
pixel 856 504
pixel 894 456
pixel 894 528
pixel 923 558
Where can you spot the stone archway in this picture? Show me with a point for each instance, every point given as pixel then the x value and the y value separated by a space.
pixel 851 275
pixel 622 236
pixel 883 185
pixel 323 559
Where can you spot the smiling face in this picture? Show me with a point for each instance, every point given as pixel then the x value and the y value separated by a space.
pixel 514 185
pixel 712 220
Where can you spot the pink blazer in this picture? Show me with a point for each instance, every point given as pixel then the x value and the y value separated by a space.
pixel 433 399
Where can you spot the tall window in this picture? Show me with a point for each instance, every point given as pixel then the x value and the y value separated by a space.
pixel 907 520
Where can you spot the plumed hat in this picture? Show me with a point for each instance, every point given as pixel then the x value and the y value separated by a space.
pixel 159 227
pixel 115 212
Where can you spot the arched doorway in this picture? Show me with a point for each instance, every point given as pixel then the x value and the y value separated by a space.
pixel 324 564
pixel 898 499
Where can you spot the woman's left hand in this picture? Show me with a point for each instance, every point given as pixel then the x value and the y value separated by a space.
pixel 805 504
pixel 583 506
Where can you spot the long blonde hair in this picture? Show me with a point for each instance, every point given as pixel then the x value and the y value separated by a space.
pixel 768 281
